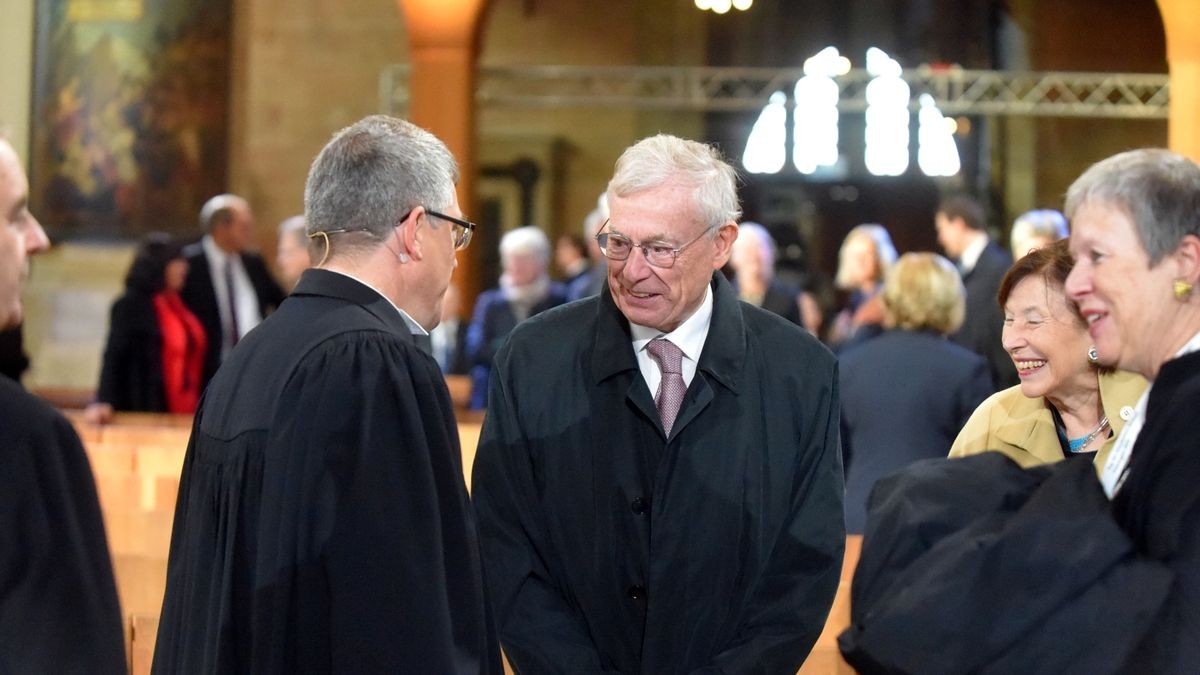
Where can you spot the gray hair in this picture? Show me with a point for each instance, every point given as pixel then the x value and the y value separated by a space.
pixel 658 160
pixel 528 240
pixel 372 174
pixel 758 235
pixel 1158 189
pixel 296 228
pixel 1039 223
pixel 219 210
pixel 885 251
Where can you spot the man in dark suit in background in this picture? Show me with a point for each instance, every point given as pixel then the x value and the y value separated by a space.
pixel 962 232
pixel 228 287
pixel 698 529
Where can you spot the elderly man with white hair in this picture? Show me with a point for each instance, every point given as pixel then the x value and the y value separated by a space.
pixel 525 289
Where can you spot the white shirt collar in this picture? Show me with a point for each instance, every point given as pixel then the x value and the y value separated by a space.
pixel 213 252
pixel 689 336
pixel 413 327
pixel 971 253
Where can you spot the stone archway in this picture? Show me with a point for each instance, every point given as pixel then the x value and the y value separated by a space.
pixel 1181 22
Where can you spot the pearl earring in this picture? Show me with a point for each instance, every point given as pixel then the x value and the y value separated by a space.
pixel 1093 355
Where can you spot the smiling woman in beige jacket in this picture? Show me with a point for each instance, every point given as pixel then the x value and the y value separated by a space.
pixel 1065 406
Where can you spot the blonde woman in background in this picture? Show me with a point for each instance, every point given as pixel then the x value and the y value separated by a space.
pixel 864 259
pixel 906 393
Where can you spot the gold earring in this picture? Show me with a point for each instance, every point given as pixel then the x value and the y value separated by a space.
pixel 1182 289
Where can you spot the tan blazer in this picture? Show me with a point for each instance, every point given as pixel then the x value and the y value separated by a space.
pixel 1023 428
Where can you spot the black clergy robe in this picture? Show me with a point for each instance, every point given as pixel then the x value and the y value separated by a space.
pixel 323 523
pixel 58 602
pixel 613 548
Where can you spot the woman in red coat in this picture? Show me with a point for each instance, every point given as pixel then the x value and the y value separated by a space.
pixel 155 351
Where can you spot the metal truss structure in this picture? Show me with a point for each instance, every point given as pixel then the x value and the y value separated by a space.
pixel 707 89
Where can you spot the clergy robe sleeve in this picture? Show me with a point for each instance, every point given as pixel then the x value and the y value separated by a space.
pixel 539 628
pixel 787 611
pixel 376 551
pixel 58 602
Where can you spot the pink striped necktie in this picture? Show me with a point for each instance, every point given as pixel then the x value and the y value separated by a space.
pixel 671 387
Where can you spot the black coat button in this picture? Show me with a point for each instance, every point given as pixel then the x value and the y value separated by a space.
pixel 640 506
pixel 637 592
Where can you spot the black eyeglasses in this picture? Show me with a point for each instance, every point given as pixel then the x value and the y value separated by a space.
pixel 463 229
pixel 618 247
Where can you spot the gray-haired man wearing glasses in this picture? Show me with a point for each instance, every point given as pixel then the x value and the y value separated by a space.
pixel 658 480
pixel 323 523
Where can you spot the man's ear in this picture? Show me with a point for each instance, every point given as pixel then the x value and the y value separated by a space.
pixel 726 235
pixel 409 232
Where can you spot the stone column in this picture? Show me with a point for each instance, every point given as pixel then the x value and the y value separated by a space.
pixel 1181 20
pixel 443 39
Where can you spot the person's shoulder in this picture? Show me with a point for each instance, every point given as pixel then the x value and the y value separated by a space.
pixel 1122 386
pixel 996 257
pixel 193 251
pixel 558 328
pixel 21 411
pixel 784 339
pixel 1008 403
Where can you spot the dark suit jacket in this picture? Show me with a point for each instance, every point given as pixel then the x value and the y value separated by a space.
pixel 490 325
pixel 200 297
pixel 905 396
pixel 323 524
pixel 613 547
pixel 984 320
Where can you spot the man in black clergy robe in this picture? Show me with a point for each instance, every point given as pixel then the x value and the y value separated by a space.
pixel 625 535
pixel 58 601
pixel 323 523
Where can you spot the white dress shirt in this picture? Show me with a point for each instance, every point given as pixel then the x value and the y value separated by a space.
pixel 1116 469
pixel 249 314
pixel 689 337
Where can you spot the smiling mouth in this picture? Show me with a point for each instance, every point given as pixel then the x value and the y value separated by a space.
pixel 1026 366
pixel 639 296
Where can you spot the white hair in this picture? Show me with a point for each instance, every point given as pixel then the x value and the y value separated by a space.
pixel 665 159
pixel 528 240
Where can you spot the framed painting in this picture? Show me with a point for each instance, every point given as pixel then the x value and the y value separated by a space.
pixel 130 107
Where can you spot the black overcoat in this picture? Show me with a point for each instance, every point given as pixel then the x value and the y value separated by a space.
pixel 323 523
pixel 610 547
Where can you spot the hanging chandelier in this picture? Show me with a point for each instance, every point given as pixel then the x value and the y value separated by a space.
pixel 723 6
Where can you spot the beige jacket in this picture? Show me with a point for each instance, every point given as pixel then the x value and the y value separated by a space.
pixel 1023 428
